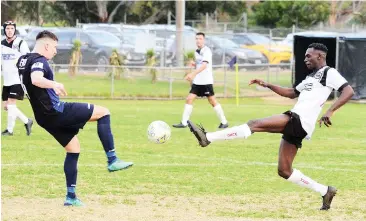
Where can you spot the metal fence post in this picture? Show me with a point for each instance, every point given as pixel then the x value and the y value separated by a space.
pixel 171 84
pixel 292 55
pixel 336 61
pixel 112 81
pixel 225 82
pixel 269 53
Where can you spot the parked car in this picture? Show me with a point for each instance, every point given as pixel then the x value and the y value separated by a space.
pixel 223 50
pixel 275 53
pixel 128 35
pixel 96 48
pixel 30 38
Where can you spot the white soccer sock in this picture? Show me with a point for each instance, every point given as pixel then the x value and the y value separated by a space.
pixel 242 131
pixel 302 180
pixel 187 113
pixel 21 116
pixel 12 116
pixel 220 113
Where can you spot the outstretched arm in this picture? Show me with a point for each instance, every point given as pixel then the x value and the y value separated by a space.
pixel 346 94
pixel 282 91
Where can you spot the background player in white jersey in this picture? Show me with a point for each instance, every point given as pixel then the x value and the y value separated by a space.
pixel 298 123
pixel 12 47
pixel 202 83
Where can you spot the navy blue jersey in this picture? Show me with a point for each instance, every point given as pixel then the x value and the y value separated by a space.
pixel 44 101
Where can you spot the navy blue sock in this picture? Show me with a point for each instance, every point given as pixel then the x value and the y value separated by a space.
pixel 106 137
pixel 71 173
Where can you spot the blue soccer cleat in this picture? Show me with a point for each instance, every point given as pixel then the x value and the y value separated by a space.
pixel 73 202
pixel 119 165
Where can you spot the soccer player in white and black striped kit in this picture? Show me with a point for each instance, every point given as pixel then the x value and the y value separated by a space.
pixel 202 85
pixel 297 124
pixel 12 47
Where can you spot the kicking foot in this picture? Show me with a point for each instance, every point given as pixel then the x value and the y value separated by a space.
pixel 200 133
pixel 327 198
pixel 6 133
pixel 119 165
pixel 222 126
pixel 180 125
pixel 73 202
pixel 28 126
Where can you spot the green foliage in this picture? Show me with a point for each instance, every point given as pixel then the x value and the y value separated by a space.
pixel 151 61
pixel 116 60
pixel 189 56
pixel 360 17
pixel 304 14
pixel 75 57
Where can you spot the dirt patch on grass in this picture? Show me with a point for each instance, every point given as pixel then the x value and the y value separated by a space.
pixel 300 206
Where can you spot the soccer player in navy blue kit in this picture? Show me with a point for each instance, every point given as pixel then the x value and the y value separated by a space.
pixel 63 119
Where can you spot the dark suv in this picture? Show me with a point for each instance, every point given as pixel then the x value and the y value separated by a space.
pixel 96 48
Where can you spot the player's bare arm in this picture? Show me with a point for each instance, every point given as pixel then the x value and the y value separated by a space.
pixel 40 81
pixel 190 76
pixel 282 91
pixel 346 95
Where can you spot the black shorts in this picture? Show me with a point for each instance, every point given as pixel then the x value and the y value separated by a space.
pixel 293 132
pixel 64 126
pixel 14 91
pixel 202 90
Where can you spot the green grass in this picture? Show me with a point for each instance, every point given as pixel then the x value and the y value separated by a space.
pixel 236 179
pixel 91 85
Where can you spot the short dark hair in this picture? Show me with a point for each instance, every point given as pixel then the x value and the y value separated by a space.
pixel 201 33
pixel 319 46
pixel 47 34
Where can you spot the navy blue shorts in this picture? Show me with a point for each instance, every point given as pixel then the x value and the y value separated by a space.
pixel 65 125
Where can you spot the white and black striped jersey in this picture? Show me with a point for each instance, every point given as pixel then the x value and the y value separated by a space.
pixel 313 93
pixel 10 53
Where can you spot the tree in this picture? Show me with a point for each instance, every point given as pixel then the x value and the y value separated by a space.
pixel 19 10
pixel 286 13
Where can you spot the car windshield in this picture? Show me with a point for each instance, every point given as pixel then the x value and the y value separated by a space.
pixel 225 42
pixel 128 39
pixel 112 30
pixel 260 39
pixel 101 37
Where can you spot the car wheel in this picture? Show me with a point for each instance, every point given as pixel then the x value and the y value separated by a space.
pixel 102 61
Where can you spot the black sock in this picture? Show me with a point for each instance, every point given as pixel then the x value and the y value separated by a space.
pixel 71 173
pixel 106 137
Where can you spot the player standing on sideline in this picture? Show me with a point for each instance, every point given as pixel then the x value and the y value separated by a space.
pixel 202 83
pixel 298 123
pixel 62 119
pixel 12 47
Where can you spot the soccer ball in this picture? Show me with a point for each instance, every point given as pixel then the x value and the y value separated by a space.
pixel 158 132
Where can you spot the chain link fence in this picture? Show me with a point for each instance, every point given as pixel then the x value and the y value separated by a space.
pixel 130 82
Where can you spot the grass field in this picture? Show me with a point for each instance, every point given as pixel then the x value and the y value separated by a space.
pixel 178 180
pixel 139 84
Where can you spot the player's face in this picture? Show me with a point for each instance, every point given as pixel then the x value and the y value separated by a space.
pixel 200 41
pixel 10 31
pixel 312 58
pixel 51 49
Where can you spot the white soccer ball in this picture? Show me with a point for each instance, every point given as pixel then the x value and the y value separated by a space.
pixel 158 132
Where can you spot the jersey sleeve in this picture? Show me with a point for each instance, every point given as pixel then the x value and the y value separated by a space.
pixel 207 56
pixel 24 49
pixel 335 80
pixel 40 65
